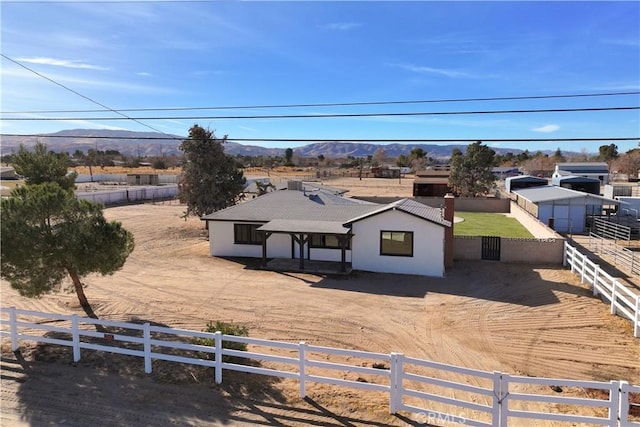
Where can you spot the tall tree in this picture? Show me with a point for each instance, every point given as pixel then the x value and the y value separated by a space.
pixel 378 157
pixel 608 152
pixel 40 166
pixel 211 180
pixel 471 172
pixel 48 234
pixel 288 156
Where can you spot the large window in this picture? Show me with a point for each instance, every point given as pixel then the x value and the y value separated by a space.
pixel 396 243
pixel 327 241
pixel 246 234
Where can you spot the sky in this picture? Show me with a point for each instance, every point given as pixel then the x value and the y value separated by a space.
pixel 115 55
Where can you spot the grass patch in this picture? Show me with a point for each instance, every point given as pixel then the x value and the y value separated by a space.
pixel 489 224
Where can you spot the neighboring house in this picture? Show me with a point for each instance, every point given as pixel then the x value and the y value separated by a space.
pixel 310 223
pixel 431 183
pixel 8 172
pixel 564 210
pixel 505 171
pixel 578 183
pixel 523 181
pixel 386 171
pixel 599 170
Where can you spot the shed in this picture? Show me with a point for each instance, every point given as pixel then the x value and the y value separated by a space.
pixel 578 183
pixel 599 170
pixel 523 181
pixel 431 183
pixel 143 179
pixel 564 210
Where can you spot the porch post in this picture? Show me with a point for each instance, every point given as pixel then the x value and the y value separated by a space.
pixel 343 249
pixel 264 249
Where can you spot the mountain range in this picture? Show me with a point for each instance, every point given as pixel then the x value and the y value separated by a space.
pixel 156 144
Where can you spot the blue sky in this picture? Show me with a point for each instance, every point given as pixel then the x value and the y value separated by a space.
pixel 204 54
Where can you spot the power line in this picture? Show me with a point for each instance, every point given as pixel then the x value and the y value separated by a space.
pixel 79 94
pixel 337 104
pixel 375 140
pixel 323 116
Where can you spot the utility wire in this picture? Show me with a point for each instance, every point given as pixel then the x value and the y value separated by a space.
pixel 392 140
pixel 322 116
pixel 336 104
pixel 79 94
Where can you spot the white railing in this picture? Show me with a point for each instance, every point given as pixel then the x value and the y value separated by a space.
pixel 624 302
pixel 433 392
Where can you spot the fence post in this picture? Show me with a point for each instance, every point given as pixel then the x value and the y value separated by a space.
pixel 564 254
pixel 218 356
pixel 393 384
pixel 147 347
pixel 623 403
pixel 613 297
pixel 614 403
pixel 504 400
pixel 75 334
pixel 14 329
pixel 584 267
pixel 497 398
pixel 596 277
pixel 301 354
pixel 636 325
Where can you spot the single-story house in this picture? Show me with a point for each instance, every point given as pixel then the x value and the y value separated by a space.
pixel 386 171
pixel 564 210
pixel 8 172
pixel 513 183
pixel 311 223
pixel 578 183
pixel 431 183
pixel 599 170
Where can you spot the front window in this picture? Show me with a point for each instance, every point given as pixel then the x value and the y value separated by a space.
pixel 247 234
pixel 327 241
pixel 396 243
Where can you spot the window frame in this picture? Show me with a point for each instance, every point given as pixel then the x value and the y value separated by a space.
pixel 383 253
pixel 254 238
pixel 323 244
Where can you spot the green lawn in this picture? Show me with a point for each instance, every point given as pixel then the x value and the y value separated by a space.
pixel 488 224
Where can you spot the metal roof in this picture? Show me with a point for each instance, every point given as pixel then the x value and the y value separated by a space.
pixel 411 207
pixel 552 193
pixel 574 178
pixel 526 178
pixel 584 167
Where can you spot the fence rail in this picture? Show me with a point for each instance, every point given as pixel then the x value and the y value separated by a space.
pixel 623 301
pixel 432 391
pixel 619 255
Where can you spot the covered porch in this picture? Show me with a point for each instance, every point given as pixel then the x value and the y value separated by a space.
pixel 301 233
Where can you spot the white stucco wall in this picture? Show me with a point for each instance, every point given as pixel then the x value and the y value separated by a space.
pixel 428 245
pixel 221 240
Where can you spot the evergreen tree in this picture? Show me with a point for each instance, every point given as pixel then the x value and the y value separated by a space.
pixel 211 180
pixel 39 166
pixel 471 172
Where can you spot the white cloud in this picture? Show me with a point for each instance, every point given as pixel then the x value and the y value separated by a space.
pixel 61 63
pixel 546 128
pixel 430 70
pixel 341 26
pixel 144 74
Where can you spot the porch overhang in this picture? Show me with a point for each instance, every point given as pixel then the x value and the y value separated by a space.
pixel 301 230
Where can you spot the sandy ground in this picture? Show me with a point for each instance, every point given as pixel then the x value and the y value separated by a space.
pixel 519 319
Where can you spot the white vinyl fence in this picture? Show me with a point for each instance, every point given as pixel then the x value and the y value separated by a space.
pixel 624 301
pixel 433 392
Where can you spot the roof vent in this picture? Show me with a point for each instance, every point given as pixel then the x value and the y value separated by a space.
pixel 294 185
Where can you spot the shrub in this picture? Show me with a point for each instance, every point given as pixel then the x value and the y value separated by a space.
pixel 227 328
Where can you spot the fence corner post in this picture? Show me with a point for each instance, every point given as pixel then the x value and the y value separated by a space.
pixel 147 347
pixel 302 368
pixel 13 321
pixel 75 336
pixel 504 400
pixel 564 254
pixel 395 382
pixel 218 356
pixel 497 399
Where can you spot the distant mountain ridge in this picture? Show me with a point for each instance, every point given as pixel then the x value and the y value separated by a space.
pixel 144 144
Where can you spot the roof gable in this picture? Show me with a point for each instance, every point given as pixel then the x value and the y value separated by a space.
pixel 410 207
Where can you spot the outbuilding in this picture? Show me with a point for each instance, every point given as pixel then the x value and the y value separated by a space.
pixel 598 170
pixel 523 181
pixel 578 183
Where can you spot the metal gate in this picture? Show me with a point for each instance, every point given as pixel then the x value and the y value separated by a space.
pixel 491 248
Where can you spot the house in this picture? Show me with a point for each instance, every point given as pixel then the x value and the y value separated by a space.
pixel 386 171
pixel 431 183
pixel 599 170
pixel 578 183
pixel 562 209
pixel 513 183
pixel 311 223
pixel 503 172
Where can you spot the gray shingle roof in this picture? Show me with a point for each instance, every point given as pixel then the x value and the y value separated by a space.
pixel 291 207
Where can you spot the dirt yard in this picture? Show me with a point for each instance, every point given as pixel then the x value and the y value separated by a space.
pixel 520 319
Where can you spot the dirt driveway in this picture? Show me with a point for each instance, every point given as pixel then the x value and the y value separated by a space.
pixel 520 319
